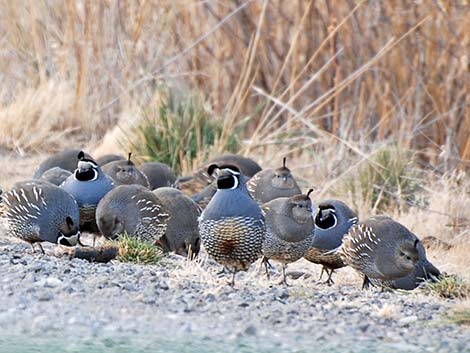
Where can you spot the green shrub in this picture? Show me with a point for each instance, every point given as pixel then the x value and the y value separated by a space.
pixel 137 251
pixel 180 130
pixel 389 178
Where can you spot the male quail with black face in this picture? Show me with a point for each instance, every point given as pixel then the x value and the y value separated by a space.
pixel 38 211
pixel 125 173
pixel 182 233
pixel 88 184
pixel 200 179
pixel 332 218
pixel 380 249
pixel 232 226
pixel 132 209
pixel 289 229
pixel 269 184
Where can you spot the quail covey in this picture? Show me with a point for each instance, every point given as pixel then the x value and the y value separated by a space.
pixel 380 249
pixel 88 185
pixel 66 160
pixel 289 229
pixel 182 233
pixel 124 172
pixel 132 209
pixel 158 174
pixel 270 184
pixel 38 211
pixel 332 219
pixel 232 226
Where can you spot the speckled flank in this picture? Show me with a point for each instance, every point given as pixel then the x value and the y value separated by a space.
pixel 233 242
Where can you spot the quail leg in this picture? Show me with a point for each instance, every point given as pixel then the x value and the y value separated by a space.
pixel 32 247
pixel 41 249
pixel 267 265
pixel 284 278
pixel 365 283
pixel 232 282
pixel 330 281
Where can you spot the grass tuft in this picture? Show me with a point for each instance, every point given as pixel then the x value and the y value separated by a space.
pixel 136 251
pixel 389 179
pixel 179 131
pixel 460 316
pixel 448 287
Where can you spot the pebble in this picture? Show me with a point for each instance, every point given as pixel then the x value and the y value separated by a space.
pixel 49 295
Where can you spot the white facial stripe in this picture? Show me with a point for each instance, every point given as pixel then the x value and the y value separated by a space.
pixel 86 165
pixel 235 182
pixel 232 171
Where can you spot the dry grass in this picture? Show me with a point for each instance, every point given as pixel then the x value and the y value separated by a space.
pixel 460 314
pixel 449 287
pixel 365 71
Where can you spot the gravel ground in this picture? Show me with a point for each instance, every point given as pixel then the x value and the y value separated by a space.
pixel 52 303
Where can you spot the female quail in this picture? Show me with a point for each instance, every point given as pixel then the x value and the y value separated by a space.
pixel 423 271
pixel 289 229
pixel 125 173
pixel 182 233
pixel 38 211
pixel 66 160
pixel 158 174
pixel 269 184
pixel 232 226
pixel 132 209
pixel 332 219
pixel 381 249
pixel 88 184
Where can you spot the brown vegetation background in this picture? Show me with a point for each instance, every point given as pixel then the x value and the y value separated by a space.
pixel 364 71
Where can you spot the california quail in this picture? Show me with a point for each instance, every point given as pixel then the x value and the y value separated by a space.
pixel 66 160
pixel 269 184
pixel 125 173
pixel 38 211
pixel 424 270
pixel 380 249
pixel 232 226
pixel 56 175
pixel 158 174
pixel 332 218
pixel 88 184
pixel 200 179
pixel 108 158
pixel 132 209
pixel 182 233
pixel 289 229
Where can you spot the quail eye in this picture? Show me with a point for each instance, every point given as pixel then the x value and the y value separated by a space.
pixel 408 258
